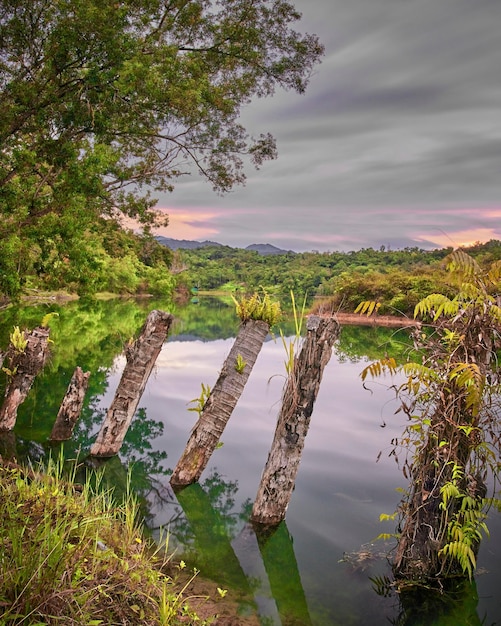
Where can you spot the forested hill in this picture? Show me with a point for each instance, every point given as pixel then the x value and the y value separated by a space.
pixel 396 278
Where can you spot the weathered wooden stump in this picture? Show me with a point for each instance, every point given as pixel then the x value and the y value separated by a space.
pixel 141 357
pixel 24 366
pixel 71 406
pixel 221 402
pixel 300 393
pixel 8 446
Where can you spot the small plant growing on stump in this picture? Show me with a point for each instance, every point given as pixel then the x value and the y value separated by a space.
pixel 201 400
pixel 451 399
pixel 258 307
pixel 240 364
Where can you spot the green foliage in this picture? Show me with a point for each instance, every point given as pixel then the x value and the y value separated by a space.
pixel 368 307
pixel 468 378
pixel 74 554
pixel 103 104
pixel 201 400
pixel 291 345
pixel 240 364
pixel 380 367
pixel 466 526
pixel 258 307
pixel 451 400
pixel 18 339
pixel 339 281
pixel 436 305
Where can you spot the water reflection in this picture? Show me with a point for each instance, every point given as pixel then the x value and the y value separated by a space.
pixel 293 576
pixel 455 605
pixel 239 562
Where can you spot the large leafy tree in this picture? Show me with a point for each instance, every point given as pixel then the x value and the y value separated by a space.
pixel 103 103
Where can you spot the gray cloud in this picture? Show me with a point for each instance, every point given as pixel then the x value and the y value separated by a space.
pixel 397 138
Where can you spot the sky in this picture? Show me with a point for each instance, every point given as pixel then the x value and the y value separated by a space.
pixel 396 142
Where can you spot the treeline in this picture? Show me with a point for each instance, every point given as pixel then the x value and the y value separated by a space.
pixel 398 279
pixel 101 257
pixel 104 104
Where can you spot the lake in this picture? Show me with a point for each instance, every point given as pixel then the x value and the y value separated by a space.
pixel 323 565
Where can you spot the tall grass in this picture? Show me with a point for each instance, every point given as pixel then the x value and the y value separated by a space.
pixel 69 554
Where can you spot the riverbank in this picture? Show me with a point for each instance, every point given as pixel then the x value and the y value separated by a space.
pixel 386 321
pixel 72 552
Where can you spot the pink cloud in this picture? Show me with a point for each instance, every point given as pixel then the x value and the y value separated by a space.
pixel 189 223
pixel 462 237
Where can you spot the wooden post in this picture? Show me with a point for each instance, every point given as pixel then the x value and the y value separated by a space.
pixel 300 393
pixel 8 446
pixel 221 402
pixel 24 366
pixel 71 406
pixel 141 357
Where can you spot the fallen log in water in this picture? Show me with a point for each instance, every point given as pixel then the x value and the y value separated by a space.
pixel 25 362
pixel 390 321
pixel 141 357
pixel 71 406
pixel 300 393
pixel 222 400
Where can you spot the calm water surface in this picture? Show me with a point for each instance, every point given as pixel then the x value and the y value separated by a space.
pixel 320 566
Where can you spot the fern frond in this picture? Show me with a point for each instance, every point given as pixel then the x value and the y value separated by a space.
pixel 494 274
pixel 436 304
pixel 462 553
pixel 460 262
pixel 368 307
pixel 420 372
pixel 469 377
pixel 380 368
pixel 46 318
pixel 470 291
pixel 495 313
pixel 258 307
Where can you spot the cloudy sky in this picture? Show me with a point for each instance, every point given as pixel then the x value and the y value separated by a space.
pixel 397 141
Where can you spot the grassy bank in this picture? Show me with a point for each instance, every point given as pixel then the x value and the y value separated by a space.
pixel 70 554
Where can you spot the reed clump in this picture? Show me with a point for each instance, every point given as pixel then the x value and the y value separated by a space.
pixel 70 554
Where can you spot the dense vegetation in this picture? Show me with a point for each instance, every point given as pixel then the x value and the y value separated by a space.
pixel 398 279
pixel 105 103
pixel 451 443
pixel 76 553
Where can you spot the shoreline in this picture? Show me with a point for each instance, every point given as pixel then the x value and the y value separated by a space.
pixel 354 319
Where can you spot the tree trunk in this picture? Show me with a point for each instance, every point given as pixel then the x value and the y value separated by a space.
pixel 299 396
pixel 8 446
pixel 141 357
pixel 24 367
pixel 221 402
pixel 71 406
pixel 424 531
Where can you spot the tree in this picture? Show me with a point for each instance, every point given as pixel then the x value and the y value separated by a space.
pixel 451 399
pixel 104 103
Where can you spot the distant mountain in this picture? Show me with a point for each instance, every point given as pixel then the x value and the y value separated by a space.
pixel 174 244
pixel 267 248
pixel 260 248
